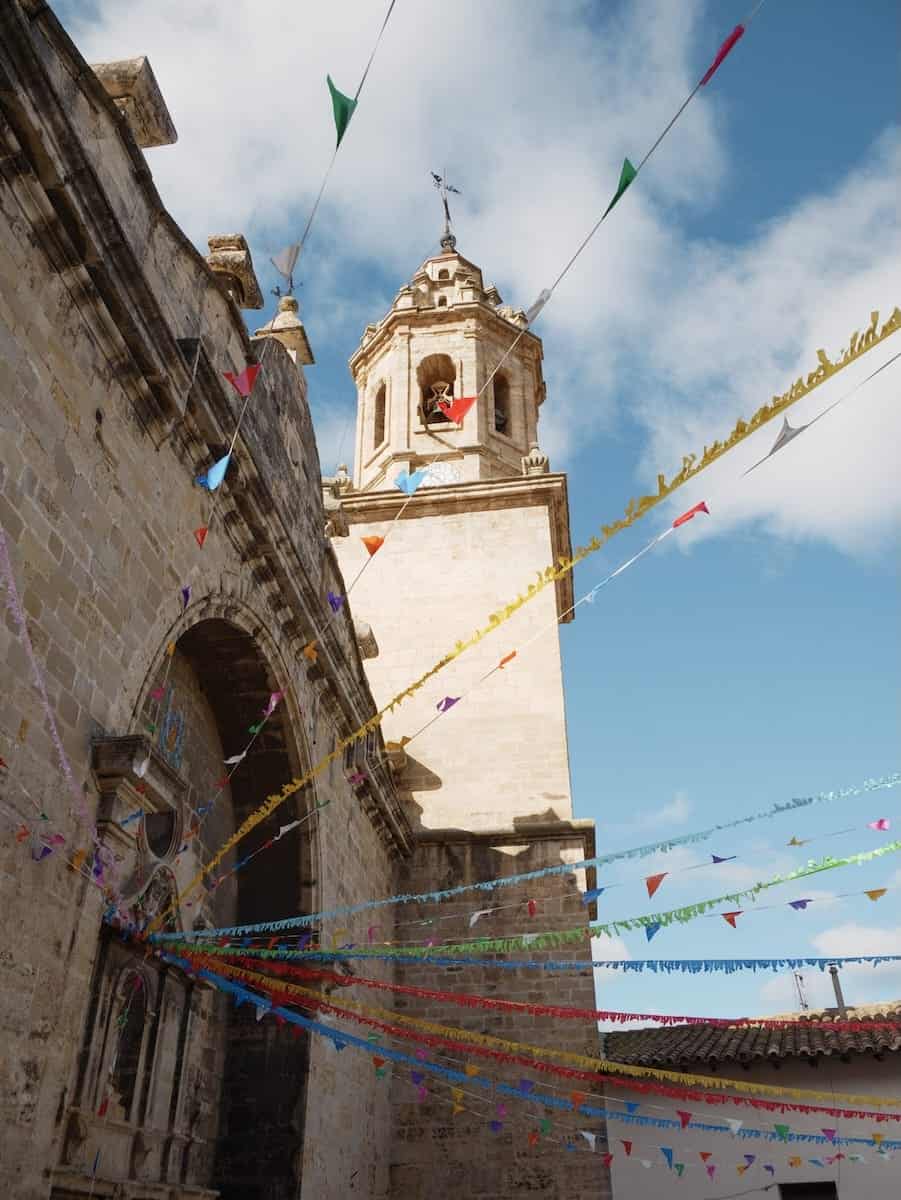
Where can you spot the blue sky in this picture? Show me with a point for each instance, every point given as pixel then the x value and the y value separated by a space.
pixel 756 658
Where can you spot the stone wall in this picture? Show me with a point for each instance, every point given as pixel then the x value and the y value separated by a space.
pixel 113 338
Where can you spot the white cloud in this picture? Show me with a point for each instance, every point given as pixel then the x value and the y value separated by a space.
pixel 673 812
pixel 861 984
pixel 532 108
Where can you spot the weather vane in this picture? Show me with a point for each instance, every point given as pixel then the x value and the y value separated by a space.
pixel 448 241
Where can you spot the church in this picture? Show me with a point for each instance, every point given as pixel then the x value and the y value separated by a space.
pixel 175 654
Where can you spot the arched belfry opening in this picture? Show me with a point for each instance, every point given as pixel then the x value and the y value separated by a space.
pixel 436 377
pixel 205 1095
pixel 502 404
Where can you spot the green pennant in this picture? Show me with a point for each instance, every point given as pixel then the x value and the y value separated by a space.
pixel 782 1131
pixel 343 108
pixel 255 728
pixel 545 1125
pixel 626 175
pixel 679 1168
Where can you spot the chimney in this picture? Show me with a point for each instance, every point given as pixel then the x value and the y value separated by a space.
pixel 837 988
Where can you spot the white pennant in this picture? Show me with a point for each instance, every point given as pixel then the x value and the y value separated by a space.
pixel 734 1125
pixel 589 1137
pixel 235 759
pixel 481 912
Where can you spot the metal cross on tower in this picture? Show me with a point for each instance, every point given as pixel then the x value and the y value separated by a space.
pixel 448 241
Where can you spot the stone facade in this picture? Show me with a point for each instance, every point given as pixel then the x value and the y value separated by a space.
pixel 121 1075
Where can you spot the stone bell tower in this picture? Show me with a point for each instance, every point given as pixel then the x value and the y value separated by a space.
pixel 486 782
pixel 489 516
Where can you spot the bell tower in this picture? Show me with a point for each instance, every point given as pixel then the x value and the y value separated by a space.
pixel 442 338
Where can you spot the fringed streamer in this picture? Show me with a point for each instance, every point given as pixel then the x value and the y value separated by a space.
pixel 779 809
pixel 467 1000
pixel 659 966
pixel 635 510
pixel 591 1064
pixel 688 912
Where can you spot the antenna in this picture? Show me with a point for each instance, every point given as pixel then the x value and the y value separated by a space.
pixel 799 988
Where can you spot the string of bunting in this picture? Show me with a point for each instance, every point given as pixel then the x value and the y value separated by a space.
pixel 635 510
pixel 562 1011
pixel 644 851
pixel 464 1039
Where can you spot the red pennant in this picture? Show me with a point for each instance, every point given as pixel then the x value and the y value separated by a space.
pixel 373 544
pixel 3 764
pixel 721 54
pixel 577 1099
pixel 653 882
pixel 692 512
pixel 705 1154
pixel 627 1146
pixel 730 916
pixel 23 834
pixel 104 1105
pixel 243 383
pixel 607 1159
pixel 684 1117
pixel 200 535
pixel 533 1138
pixel 507 658
pixel 377 1062
pixel 455 410
pixel 533 908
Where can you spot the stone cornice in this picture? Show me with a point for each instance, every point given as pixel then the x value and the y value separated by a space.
pixel 481 496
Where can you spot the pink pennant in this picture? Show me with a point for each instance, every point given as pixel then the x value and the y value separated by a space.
pixel 243 383
pixel 881 825
pixel 727 45
pixel 711 1169
pixel 156 693
pixel 692 512
pixel 830 1134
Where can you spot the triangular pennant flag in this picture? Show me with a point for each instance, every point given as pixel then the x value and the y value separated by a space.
pixel 786 433
pixel 646 1163
pixel 480 912
pixel 653 882
pixel 816 1162
pixel 286 260
pixel 692 512
pixel 506 659
pixel 716 858
pixel 104 1105
pixel 731 917
pixel 881 826
pixel 532 312
pixel 750 1159
pixel 533 1138
pixel 213 477
pixel 255 729
pixel 877 1138
pixel 607 1159
pixel 592 894
pixel 741 1168
pixel 447 703
pixel 78 859
pixel 589 1137
pixel 497 1126
pixel 343 109
pixel 200 535
pixel 526 1086
pixel 684 1117
pixel 679 1168
pixel 471 1069
pixel 157 693
pixel 769 1167
pixel 651 929
pixel 532 908
pixel 272 703
pixel 373 543
pixel 235 759
pixel 799 904
pixel 711 1169
pixel 705 1154
pixel 721 54
pixel 667 1153
pixel 794 1160
pixel 185 601
pixel 377 1061
pixel 796 841
pixel 456 1094
pixel 335 603
pixel 545 1125
pixel 243 382
pixel 632 1106
pixel 627 1146
pixel 626 175
pixel 4 765
pixel 876 893
pixel 455 410
pixel 782 1131
pixel 830 1134
pixel 577 1099
pixel 408 483
pixel 457 1108
pixel 310 652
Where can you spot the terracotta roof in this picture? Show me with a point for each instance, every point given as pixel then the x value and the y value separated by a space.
pixel 804 1038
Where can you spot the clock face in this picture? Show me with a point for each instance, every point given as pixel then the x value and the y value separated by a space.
pixel 441 474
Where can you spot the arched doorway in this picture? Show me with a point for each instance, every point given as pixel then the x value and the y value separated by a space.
pixel 176 1086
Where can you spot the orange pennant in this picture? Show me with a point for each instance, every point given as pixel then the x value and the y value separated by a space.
pixel 23 834
pixel 471 1069
pixel 310 652
pixel 577 1099
pixel 458 1108
pixel 77 860
pixel 653 882
pixel 507 658
pixel 200 535
pixel 876 893
pixel 730 916
pixel 373 543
